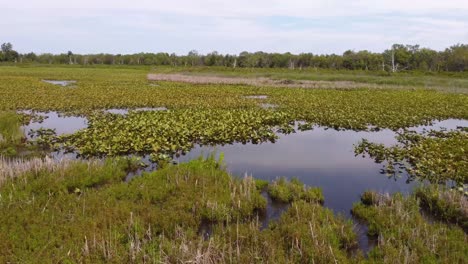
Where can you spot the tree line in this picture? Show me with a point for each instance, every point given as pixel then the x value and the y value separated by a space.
pixel 397 58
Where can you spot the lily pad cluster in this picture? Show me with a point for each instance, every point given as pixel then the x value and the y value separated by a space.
pixel 436 156
pixel 125 88
pixel 173 132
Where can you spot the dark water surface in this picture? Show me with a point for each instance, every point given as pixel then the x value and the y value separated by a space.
pixel 61 124
pixel 62 83
pixel 321 157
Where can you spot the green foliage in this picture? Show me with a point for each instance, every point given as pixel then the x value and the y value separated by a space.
pixel 7 53
pixel 305 233
pixel 289 191
pixel 208 113
pixel 172 132
pixel 11 134
pixel 10 131
pixel 445 204
pixel 405 57
pixel 405 236
pixel 87 208
pixel 434 156
pixel 86 212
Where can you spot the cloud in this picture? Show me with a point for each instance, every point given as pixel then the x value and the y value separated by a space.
pixel 304 8
pixel 231 26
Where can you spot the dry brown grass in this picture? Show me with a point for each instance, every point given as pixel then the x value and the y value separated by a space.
pixel 15 167
pixel 287 83
pixel 262 81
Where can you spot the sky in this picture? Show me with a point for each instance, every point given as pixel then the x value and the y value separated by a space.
pixel 320 27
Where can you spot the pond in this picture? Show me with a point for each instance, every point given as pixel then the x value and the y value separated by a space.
pixel 62 83
pixel 320 157
pixel 61 123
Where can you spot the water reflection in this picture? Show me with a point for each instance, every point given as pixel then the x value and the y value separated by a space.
pixel 321 157
pixel 62 124
pixel 448 124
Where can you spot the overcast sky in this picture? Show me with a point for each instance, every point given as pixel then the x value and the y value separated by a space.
pixel 324 26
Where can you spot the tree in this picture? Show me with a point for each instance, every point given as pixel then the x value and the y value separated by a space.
pixel 7 47
pixel 8 54
pixel 457 57
pixel 70 54
pixel 193 57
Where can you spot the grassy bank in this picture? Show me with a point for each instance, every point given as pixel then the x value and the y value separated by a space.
pixel 91 215
pixel 10 133
pixel 196 212
pixel 445 204
pixel 405 236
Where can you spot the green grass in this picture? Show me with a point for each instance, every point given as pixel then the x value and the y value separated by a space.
pixel 10 133
pixel 447 205
pixel 85 212
pixel 90 202
pixel 289 191
pixel 405 236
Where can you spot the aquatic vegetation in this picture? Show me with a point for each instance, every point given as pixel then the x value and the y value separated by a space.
pixel 120 88
pixel 27 117
pixel 434 156
pixel 93 215
pixel 293 190
pixel 445 204
pixel 172 132
pixel 44 138
pixel 405 236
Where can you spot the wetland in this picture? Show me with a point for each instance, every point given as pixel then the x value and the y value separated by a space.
pixel 126 169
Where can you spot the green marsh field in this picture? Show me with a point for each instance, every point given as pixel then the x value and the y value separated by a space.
pixel 139 164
